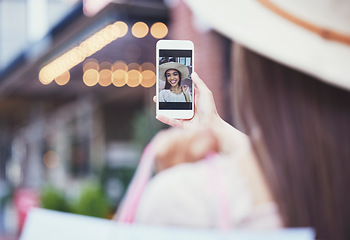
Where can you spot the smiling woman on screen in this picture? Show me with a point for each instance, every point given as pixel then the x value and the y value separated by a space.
pixel 173 73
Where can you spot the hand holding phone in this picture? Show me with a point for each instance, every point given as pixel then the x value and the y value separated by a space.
pixel 175 91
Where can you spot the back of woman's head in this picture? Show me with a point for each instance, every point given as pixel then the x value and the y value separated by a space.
pixel 300 131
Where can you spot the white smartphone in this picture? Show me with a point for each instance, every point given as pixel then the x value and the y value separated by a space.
pixel 175 91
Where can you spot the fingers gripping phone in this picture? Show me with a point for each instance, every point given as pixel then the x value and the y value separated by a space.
pixel 175 91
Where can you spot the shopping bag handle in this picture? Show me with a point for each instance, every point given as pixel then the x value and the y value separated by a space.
pixel 128 208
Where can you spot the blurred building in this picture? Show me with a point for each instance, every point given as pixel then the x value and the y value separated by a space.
pixel 66 123
pixel 77 81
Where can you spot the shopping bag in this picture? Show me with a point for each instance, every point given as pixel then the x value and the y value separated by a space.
pixel 43 224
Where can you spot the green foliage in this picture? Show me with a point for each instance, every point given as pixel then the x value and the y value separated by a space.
pixel 54 199
pixel 92 202
pixel 122 174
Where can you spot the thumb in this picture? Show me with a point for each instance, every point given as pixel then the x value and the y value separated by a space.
pixel 199 84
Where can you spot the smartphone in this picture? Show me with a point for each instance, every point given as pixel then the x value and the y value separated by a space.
pixel 175 91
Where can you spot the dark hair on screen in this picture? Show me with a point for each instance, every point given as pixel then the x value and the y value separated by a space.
pixel 167 84
pixel 300 131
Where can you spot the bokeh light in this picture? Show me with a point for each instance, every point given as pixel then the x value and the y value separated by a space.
pixel 44 76
pixel 134 78
pixel 120 77
pixel 91 77
pixel 120 65
pixel 105 65
pixel 63 79
pixel 148 78
pixel 139 29
pixel 123 28
pixel 159 30
pixel 91 63
pixel 134 66
pixel 51 159
pixel 105 77
pixel 148 66
pixel 78 54
pixel 108 34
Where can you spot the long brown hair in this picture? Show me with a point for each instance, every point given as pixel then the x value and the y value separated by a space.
pixel 300 130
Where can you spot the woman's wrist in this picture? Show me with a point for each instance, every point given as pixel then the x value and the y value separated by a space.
pixel 230 138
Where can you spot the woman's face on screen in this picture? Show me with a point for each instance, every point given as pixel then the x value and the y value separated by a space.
pixel 173 77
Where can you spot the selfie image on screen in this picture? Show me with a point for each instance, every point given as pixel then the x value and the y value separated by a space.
pixel 175 85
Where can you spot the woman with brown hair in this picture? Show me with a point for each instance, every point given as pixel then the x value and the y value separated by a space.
pixel 292 101
pixel 173 73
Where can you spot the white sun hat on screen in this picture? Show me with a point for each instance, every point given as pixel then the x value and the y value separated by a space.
pixel 312 36
pixel 173 65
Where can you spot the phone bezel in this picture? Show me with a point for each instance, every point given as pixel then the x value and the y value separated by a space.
pixel 174 45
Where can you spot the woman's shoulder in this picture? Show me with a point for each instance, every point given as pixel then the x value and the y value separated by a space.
pixel 192 194
pixel 165 92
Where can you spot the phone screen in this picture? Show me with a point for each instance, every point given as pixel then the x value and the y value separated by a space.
pixel 175 83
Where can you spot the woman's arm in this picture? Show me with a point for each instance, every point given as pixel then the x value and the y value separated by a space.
pixel 207 130
pixel 205 109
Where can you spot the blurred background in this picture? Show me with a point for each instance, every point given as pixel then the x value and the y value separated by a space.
pixel 77 80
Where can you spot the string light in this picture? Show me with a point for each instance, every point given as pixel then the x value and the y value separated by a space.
pixel 120 77
pixel 134 78
pixel 120 65
pixel 91 63
pixel 105 77
pixel 123 28
pixel 134 66
pixel 119 73
pixel 159 30
pixel 78 54
pixel 139 29
pixel 148 78
pixel 91 77
pixel 63 79
pixel 148 66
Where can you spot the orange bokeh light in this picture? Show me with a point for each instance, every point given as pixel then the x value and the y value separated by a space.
pixel 159 30
pixel 91 77
pixel 63 79
pixel 51 159
pixel 134 78
pixel 139 29
pixel 105 77
pixel 91 63
pixel 148 66
pixel 123 28
pixel 119 78
pixel 148 78
pixel 120 65
pixel 134 66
